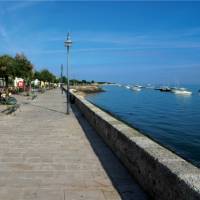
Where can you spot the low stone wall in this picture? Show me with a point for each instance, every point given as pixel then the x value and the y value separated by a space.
pixel 161 173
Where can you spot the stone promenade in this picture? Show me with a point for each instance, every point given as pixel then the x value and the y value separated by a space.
pixel 47 155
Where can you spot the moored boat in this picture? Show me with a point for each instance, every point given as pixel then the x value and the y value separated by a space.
pixel 181 91
pixel 139 86
pixel 164 89
pixel 127 87
pixel 136 88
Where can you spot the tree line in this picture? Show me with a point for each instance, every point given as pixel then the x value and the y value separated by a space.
pixel 46 76
pixel 20 66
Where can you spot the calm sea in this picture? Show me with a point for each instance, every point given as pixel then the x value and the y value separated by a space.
pixel 172 120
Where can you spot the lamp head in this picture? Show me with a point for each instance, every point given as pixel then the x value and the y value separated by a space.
pixel 68 41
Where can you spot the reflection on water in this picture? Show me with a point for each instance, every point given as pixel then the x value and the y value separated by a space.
pixel 171 119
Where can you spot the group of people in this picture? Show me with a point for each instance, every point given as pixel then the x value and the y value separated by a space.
pixel 4 93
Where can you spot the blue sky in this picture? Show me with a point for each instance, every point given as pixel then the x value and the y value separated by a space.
pixel 136 42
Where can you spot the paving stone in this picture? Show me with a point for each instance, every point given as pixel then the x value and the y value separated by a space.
pixel 48 155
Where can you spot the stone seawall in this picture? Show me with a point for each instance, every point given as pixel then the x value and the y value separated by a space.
pixel 161 173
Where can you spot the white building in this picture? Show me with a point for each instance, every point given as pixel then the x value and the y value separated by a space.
pixel 17 80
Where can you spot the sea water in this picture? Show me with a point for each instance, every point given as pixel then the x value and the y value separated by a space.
pixel 170 119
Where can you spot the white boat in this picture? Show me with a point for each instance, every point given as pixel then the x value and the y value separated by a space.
pixel 127 87
pixel 181 91
pixel 136 88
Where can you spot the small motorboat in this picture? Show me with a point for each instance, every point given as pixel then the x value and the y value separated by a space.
pixel 181 91
pixel 136 88
pixel 127 87
pixel 165 89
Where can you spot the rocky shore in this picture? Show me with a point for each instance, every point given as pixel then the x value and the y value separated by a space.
pixel 86 89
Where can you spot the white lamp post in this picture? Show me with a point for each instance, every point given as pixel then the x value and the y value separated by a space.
pixel 68 44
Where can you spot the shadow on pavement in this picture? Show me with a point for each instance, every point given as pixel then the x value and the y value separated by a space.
pixel 127 188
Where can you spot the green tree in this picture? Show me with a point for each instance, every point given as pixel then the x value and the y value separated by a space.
pixel 63 80
pixel 37 75
pixel 57 80
pixel 84 81
pixel 7 68
pixel 23 67
pixel 47 76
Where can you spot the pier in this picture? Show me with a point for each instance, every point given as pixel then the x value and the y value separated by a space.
pixel 48 155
